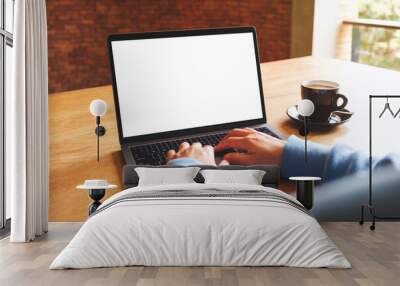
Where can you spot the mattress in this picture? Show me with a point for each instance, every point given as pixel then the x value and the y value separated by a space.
pixel 201 225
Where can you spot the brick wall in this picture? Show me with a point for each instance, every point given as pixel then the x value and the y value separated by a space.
pixel 77 30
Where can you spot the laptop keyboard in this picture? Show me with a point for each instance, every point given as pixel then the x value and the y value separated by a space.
pixel 155 154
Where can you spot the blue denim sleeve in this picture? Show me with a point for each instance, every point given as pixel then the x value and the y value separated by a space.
pixel 329 163
pixel 293 159
pixel 183 162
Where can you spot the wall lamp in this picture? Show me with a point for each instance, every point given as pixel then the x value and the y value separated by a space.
pixel 98 108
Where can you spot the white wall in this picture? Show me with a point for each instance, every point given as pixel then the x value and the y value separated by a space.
pixel 330 37
pixel 326 25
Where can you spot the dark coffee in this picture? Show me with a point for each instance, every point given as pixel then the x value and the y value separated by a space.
pixel 320 86
pixel 325 96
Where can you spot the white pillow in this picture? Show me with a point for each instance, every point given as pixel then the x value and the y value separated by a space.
pixel 163 176
pixel 248 177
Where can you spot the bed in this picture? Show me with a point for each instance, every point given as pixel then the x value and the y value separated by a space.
pixel 198 224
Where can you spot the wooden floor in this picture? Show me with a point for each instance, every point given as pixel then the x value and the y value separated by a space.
pixel 375 257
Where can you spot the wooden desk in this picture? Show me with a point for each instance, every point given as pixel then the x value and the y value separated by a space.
pixel 73 142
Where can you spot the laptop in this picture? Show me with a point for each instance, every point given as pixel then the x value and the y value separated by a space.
pixel 191 85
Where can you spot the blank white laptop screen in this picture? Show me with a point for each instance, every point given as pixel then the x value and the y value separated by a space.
pixel 168 84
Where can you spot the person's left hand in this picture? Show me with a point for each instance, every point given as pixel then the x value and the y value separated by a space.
pixel 203 154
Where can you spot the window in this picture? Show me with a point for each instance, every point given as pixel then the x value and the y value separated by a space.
pixel 6 43
pixel 376 33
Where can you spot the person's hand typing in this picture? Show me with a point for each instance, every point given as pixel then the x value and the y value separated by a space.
pixel 253 147
pixel 203 154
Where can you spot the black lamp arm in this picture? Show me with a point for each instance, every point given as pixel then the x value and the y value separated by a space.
pixel 100 131
pixel 305 138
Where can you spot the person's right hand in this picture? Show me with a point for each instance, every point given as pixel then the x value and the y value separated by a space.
pixel 254 147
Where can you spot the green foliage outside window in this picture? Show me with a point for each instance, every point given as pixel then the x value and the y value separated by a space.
pixel 377 46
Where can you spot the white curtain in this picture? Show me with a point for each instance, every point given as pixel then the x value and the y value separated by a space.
pixel 27 123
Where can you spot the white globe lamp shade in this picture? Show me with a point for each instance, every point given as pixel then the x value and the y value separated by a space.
pixel 98 107
pixel 305 108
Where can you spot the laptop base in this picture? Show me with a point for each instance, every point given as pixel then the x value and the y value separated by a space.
pixel 154 153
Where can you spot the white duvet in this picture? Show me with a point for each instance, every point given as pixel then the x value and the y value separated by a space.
pixel 190 231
